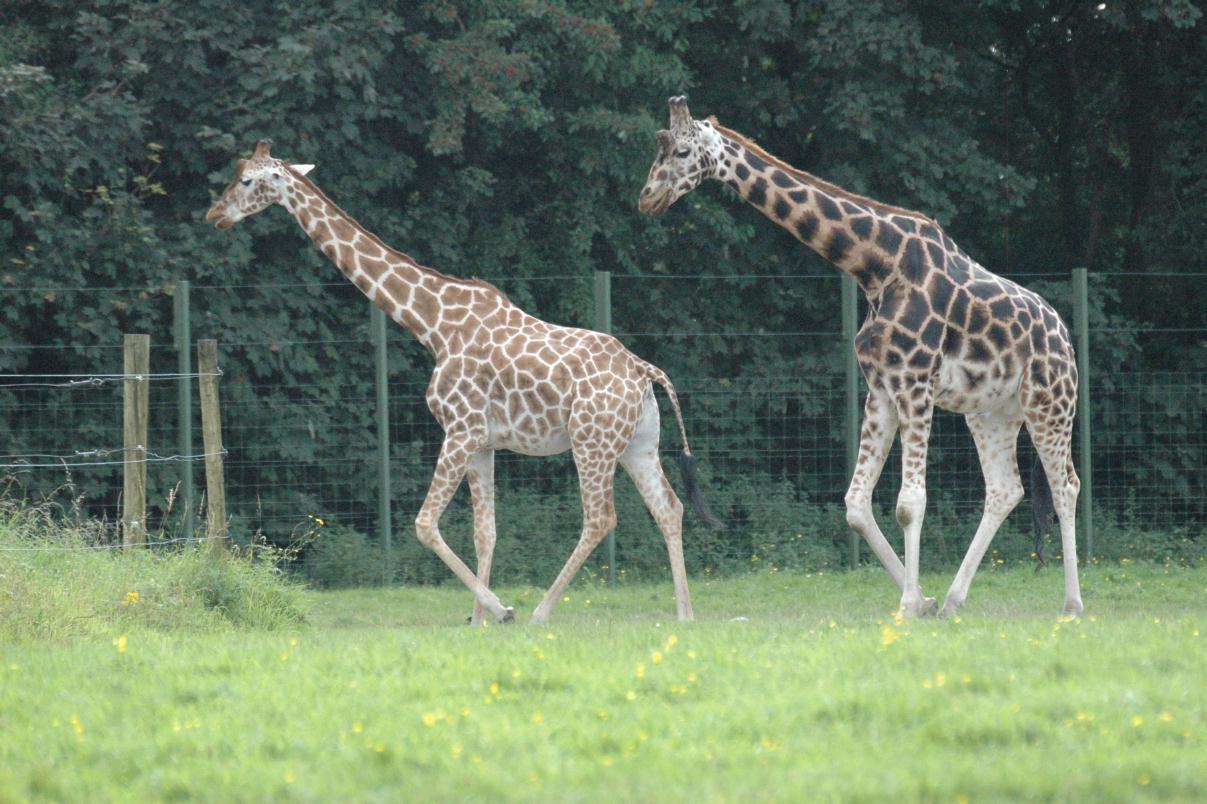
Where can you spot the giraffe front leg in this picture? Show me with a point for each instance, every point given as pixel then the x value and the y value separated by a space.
pixel 996 437
pixel 875 441
pixel 915 421
pixel 451 466
pixel 481 476
pixel 595 478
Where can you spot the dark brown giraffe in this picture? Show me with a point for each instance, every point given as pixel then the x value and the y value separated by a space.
pixel 503 380
pixel 941 330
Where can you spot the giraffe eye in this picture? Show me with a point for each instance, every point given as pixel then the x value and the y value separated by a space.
pixel 246 182
pixel 682 153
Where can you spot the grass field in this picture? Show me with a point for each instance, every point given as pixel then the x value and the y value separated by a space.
pixel 788 687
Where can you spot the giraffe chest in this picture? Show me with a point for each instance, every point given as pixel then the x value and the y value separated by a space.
pixel 970 386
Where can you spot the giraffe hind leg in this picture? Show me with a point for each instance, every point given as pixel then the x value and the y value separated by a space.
pixel 640 460
pixel 1052 436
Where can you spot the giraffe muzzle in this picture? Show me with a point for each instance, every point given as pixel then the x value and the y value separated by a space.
pixel 655 203
pixel 218 218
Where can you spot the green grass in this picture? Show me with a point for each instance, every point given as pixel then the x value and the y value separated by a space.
pixel 818 695
pixel 57 583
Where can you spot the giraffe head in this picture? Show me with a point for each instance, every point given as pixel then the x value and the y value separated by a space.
pixel 259 183
pixel 686 156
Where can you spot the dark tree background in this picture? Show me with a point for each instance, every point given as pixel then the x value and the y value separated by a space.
pixel 508 139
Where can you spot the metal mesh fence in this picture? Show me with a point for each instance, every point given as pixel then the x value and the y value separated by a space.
pixel 764 404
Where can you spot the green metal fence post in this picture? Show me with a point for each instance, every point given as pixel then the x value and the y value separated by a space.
pixel 849 312
pixel 603 323
pixel 184 399
pixel 1085 467
pixel 378 330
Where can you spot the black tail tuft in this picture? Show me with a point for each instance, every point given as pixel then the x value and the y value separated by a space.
pixel 691 482
pixel 1043 513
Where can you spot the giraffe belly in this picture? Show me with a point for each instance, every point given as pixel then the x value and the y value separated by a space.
pixel 967 387
pixel 527 441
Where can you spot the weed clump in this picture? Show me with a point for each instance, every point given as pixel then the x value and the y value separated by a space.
pixel 64 577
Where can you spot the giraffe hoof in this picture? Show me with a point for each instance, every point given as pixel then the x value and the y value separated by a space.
pixel 508 615
pixel 1072 610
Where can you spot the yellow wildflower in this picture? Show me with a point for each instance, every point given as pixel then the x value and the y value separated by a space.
pixel 120 643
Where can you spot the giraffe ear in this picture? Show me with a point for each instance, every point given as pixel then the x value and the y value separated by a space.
pixel 302 170
pixel 681 118
pixel 262 148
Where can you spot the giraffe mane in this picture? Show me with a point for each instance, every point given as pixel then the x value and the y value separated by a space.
pixel 809 178
pixel 472 281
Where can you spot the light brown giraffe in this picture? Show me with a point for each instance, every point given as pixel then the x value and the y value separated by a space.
pixel 503 380
pixel 941 330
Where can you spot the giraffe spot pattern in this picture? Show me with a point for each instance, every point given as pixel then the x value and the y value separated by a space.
pixel 828 208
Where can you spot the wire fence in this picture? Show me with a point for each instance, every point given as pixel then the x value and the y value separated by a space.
pixel 765 404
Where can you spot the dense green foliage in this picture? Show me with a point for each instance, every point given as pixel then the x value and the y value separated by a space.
pixel 509 139
pixel 817 696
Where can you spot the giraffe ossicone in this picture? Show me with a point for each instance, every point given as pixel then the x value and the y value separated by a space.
pixel 503 379
pixel 941 331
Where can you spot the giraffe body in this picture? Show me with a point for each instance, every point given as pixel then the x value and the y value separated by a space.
pixel 503 379
pixel 941 330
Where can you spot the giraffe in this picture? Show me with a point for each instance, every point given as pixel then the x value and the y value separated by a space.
pixel 941 330
pixel 503 380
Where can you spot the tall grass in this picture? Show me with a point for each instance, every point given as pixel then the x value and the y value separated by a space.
pixel 64 577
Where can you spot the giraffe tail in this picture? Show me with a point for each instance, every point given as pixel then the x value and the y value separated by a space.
pixel 1043 512
pixel 687 462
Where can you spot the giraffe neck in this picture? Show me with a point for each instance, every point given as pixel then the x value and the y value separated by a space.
pixel 859 236
pixel 414 296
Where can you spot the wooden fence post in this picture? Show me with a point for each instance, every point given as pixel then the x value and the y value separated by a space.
pixel 135 393
pixel 211 433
